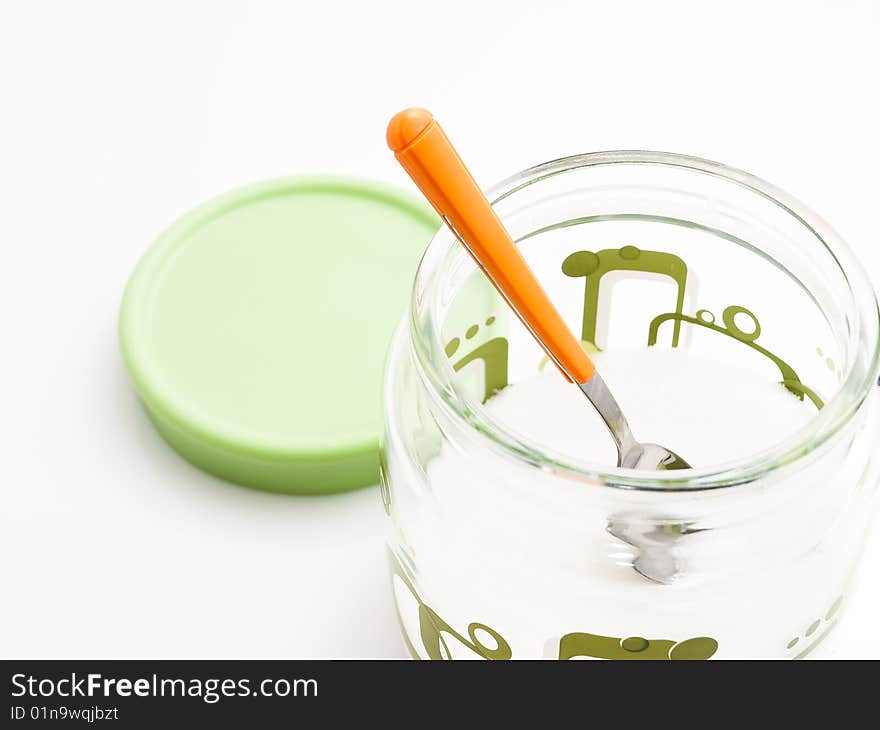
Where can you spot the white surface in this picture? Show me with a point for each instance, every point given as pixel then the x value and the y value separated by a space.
pixel 117 117
pixel 668 408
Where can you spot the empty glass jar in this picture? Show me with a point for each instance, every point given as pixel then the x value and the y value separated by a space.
pixel 501 548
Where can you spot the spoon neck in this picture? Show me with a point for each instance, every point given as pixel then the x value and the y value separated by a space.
pixel 606 405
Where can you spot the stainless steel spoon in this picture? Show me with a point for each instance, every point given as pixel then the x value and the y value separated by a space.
pixel 424 151
pixel 631 454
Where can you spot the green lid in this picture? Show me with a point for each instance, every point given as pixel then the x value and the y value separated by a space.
pixel 255 329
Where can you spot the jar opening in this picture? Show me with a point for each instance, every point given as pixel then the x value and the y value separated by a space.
pixel 850 308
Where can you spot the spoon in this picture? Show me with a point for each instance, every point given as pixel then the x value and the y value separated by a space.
pixel 427 155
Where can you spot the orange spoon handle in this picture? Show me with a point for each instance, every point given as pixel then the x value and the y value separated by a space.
pixel 424 151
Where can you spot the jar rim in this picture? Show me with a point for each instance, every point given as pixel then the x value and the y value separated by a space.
pixel 858 381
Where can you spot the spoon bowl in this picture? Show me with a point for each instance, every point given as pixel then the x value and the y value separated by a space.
pixel 648 456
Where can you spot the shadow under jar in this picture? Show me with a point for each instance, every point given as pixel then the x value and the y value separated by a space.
pixel 502 548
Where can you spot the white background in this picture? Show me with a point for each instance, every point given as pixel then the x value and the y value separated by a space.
pixel 116 117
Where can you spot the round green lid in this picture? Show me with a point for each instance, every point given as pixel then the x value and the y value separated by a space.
pixel 255 329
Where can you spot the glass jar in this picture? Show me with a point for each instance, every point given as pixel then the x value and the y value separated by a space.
pixel 501 548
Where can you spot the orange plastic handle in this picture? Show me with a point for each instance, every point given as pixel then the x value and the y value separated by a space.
pixel 424 151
